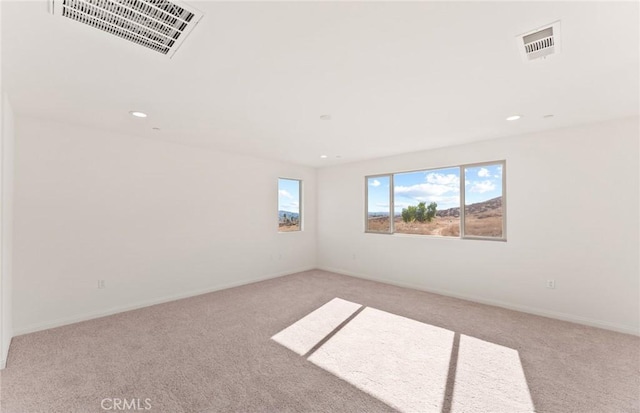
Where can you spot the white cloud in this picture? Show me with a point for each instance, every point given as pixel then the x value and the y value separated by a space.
pixel 442 179
pixel 293 206
pixel 483 173
pixel 483 186
pixel 444 189
pixel 437 184
pixel 422 190
pixel 375 183
pixel 285 193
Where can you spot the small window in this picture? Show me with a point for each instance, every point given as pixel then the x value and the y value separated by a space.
pixel 483 201
pixel 289 202
pixel 378 204
pixel 427 202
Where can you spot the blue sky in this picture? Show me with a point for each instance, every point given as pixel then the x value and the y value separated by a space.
pixel 482 183
pixel 378 194
pixel 441 186
pixel 288 195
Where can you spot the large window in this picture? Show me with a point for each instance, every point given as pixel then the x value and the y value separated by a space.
pixel 428 202
pixel 289 202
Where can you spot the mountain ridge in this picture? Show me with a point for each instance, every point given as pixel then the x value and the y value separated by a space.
pixel 477 208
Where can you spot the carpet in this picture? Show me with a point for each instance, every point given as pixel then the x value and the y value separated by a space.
pixel 372 348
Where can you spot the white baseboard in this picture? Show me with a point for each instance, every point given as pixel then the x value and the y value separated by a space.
pixel 525 309
pixel 103 313
pixel 531 310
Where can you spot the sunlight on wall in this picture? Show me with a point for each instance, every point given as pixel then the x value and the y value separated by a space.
pixel 410 365
pixel 310 330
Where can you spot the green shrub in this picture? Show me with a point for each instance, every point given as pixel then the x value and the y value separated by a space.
pixel 420 213
pixel 431 211
pixel 409 214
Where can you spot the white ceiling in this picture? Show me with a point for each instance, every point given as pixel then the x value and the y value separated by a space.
pixel 395 77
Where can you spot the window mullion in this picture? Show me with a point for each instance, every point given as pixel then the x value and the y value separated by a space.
pixel 462 201
pixel 392 213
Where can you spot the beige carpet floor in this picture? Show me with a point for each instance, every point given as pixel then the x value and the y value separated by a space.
pixel 388 349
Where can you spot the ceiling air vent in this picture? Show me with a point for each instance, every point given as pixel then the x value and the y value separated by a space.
pixel 159 25
pixel 540 43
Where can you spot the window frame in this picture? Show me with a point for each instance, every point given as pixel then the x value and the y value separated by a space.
pixel 461 168
pixel 366 204
pixel 300 209
pixel 463 177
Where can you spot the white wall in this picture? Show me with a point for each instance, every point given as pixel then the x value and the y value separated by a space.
pixel 155 220
pixel 572 199
pixel 159 221
pixel 6 228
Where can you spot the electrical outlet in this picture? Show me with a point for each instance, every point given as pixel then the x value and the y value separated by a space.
pixel 551 284
pixel 101 284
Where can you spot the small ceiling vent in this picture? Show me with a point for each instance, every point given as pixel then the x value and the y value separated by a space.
pixel 540 43
pixel 159 25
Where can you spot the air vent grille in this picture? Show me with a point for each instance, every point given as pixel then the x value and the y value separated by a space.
pixel 541 42
pixel 159 25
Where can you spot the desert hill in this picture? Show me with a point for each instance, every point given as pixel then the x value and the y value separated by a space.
pixel 486 208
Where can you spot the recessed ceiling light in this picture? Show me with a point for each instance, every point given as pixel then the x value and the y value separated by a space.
pixel 325 117
pixel 514 117
pixel 323 156
pixel 338 156
pixel 547 116
pixel 156 129
pixel 138 114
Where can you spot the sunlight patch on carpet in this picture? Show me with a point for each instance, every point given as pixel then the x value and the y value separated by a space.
pixel 400 361
pixel 305 333
pixel 489 378
pixel 410 365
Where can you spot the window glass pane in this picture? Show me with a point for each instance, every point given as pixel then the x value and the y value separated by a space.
pixel 427 202
pixel 378 204
pixel 483 201
pixel 289 217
